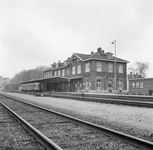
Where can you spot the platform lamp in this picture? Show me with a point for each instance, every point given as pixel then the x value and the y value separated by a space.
pixel 114 42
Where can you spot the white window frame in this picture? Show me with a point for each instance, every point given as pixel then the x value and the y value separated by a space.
pixel 120 69
pixel 55 73
pixel 110 67
pixel 99 67
pixel 63 72
pixel 67 70
pixel 133 85
pixel 120 84
pixel 141 85
pixel 73 70
pixel 59 72
pixel 79 69
pixel 137 85
pixel 87 67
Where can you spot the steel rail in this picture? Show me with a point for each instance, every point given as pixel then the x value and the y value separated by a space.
pixel 127 138
pixel 45 141
pixel 106 100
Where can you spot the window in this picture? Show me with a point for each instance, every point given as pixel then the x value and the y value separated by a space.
pixel 79 69
pixel 73 70
pixel 120 84
pixel 109 56
pixel 110 67
pixel 87 83
pixel 55 73
pixel 68 71
pixel 137 85
pixel 141 85
pixel 63 72
pixel 87 67
pixel 99 67
pixel 133 85
pixel 120 69
pixel 59 72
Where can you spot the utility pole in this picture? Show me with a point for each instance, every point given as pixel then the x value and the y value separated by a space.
pixel 114 42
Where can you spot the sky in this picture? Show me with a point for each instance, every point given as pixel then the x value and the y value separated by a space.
pixel 40 32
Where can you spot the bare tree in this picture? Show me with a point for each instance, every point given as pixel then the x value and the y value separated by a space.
pixel 140 69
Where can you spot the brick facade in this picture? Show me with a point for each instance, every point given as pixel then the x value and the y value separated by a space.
pixel 141 86
pixel 94 80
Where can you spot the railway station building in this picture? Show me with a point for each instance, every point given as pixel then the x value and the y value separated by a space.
pixel 94 72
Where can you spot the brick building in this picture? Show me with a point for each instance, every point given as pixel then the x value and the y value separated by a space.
pixel 141 86
pixel 92 72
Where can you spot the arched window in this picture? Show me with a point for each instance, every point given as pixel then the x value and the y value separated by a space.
pixel 120 69
pixel 79 69
pixel 110 67
pixel 99 67
pixel 87 67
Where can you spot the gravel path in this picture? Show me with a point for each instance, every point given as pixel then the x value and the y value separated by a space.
pixel 136 120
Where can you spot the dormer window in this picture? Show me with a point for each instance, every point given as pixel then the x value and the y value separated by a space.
pixel 109 55
pixel 56 65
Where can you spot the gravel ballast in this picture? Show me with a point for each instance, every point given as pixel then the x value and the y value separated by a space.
pixel 132 120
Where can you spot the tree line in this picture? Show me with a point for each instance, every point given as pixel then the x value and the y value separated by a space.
pixel 25 75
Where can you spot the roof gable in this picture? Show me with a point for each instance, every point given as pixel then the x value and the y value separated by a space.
pixel 77 56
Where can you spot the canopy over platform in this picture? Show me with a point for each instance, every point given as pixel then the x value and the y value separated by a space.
pixel 50 79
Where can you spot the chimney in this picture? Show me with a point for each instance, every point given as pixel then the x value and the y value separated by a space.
pixel 92 52
pixel 99 50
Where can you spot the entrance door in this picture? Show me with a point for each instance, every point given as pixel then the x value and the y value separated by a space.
pixel 120 86
pixel 98 85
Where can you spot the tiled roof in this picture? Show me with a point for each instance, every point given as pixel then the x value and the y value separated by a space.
pixel 85 57
pixel 102 57
pixel 82 56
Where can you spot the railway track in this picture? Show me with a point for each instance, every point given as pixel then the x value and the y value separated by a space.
pixel 71 133
pixel 13 135
pixel 142 101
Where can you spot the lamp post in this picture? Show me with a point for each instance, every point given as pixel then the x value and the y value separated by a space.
pixel 114 42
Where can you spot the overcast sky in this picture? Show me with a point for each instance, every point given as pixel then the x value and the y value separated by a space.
pixel 40 32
